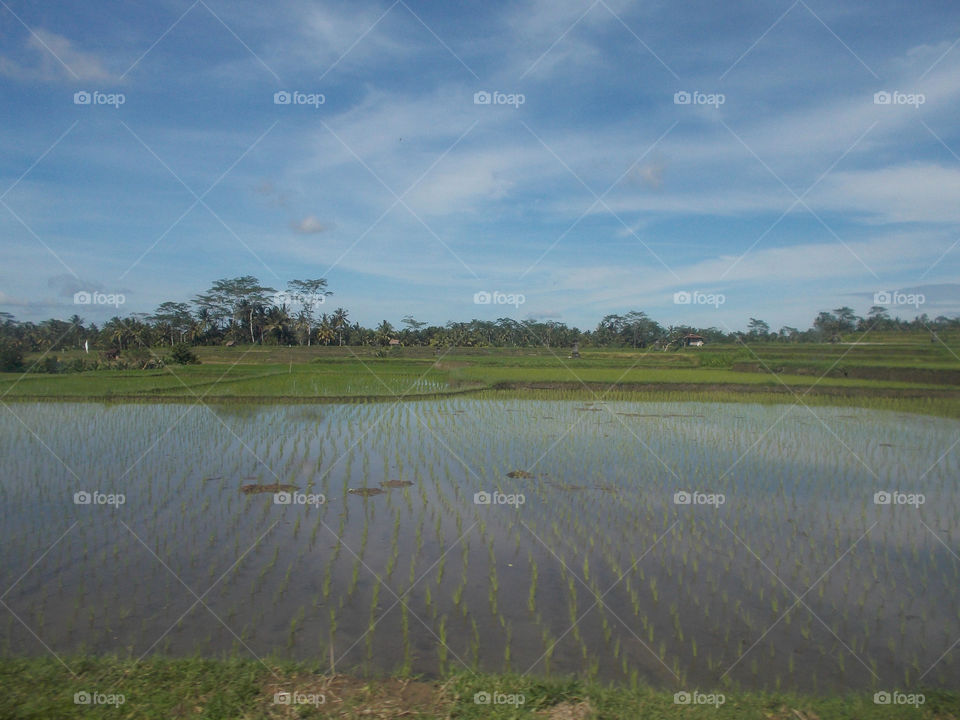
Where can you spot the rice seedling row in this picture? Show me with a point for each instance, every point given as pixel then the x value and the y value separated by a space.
pixel 549 536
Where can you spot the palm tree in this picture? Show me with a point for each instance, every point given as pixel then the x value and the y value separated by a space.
pixel 202 325
pixel 138 329
pixel 325 332
pixel 384 333
pixel 76 331
pixel 303 326
pixel 116 331
pixel 277 322
pixel 339 321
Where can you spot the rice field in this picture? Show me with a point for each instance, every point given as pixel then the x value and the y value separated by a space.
pixel 672 544
pixel 320 380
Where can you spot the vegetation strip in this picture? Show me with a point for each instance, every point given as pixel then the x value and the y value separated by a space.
pixel 940 402
pixel 240 688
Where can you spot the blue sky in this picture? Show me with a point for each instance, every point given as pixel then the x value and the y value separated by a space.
pixel 787 190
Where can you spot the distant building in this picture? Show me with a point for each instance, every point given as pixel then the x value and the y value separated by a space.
pixel 394 341
pixel 692 340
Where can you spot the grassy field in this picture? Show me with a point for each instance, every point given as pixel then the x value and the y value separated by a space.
pixel 895 375
pixel 214 689
pixel 889 373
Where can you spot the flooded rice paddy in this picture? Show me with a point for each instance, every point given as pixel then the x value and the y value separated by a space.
pixel 703 544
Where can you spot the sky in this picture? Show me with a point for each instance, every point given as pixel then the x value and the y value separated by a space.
pixel 702 162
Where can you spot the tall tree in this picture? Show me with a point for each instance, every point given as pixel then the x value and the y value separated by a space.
pixel 308 294
pixel 384 333
pixel 846 319
pixel 758 328
pixel 878 318
pixel 411 333
pixel 339 322
pixel 610 329
pixel 175 318
pixel 277 323
pixel 826 323
pixel 236 300
pixel 639 330
pixel 325 333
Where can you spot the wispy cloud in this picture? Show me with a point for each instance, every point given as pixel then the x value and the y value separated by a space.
pixel 310 225
pixel 48 57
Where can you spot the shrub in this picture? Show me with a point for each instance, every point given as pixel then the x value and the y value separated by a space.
pixel 11 358
pixel 141 359
pixel 717 359
pixel 50 364
pixel 183 355
pixel 78 365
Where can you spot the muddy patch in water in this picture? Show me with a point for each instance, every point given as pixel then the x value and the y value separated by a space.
pixel 272 488
pixel 366 491
pixel 396 483
pixel 579 488
pixel 657 415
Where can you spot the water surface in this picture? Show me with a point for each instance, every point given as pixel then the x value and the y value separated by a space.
pixel 798 579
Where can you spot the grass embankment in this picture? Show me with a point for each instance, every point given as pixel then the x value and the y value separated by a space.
pixel 913 377
pixel 213 689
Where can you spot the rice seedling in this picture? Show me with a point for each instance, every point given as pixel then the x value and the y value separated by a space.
pixel 532 598
pixel 599 500
pixel 442 646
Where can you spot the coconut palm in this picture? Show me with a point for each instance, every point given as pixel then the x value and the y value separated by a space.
pixel 339 321
pixel 277 323
pixel 325 332
pixel 384 333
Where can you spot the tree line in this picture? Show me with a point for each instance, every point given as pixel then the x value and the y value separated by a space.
pixel 241 310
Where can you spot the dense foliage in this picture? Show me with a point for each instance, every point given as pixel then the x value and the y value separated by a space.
pixel 241 310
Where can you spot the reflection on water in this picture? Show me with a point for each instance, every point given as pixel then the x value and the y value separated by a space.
pixel 588 562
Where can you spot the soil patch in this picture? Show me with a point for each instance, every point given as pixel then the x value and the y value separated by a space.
pixel 345 696
pixel 366 492
pixel 273 488
pixel 567 711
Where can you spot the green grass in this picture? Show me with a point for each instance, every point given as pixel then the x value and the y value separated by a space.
pixel 332 378
pixel 913 377
pixel 213 689
pixel 647 375
pixel 939 407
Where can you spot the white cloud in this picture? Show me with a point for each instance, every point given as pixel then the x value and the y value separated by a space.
pixel 352 34
pixel 460 183
pixel 310 225
pixel 807 269
pixel 547 37
pixel 10 300
pixel 919 192
pixel 650 174
pixel 54 57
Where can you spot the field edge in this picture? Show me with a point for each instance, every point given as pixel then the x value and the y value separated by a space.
pixel 246 688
